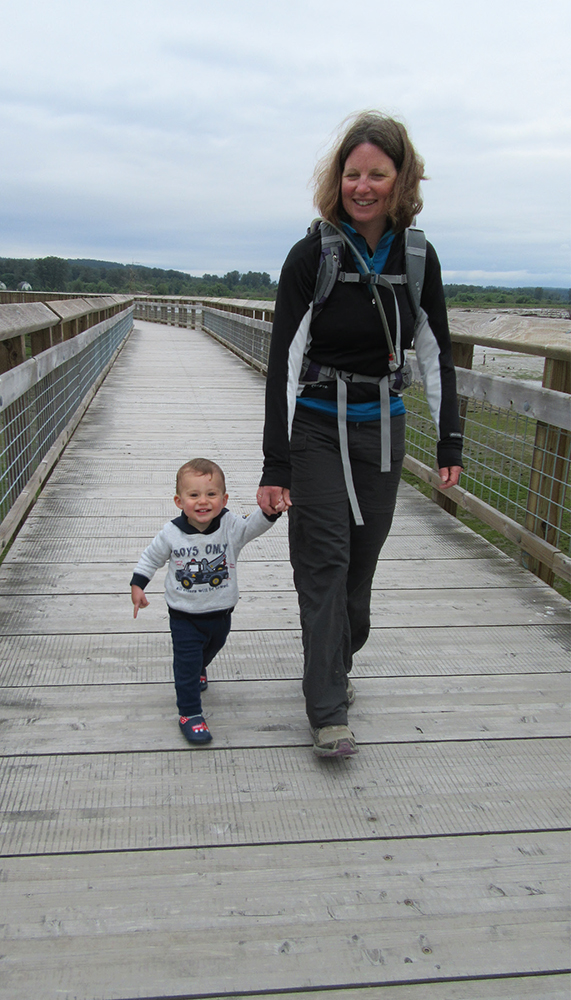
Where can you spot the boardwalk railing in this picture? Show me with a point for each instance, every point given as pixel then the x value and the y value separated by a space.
pixel 72 344
pixel 517 433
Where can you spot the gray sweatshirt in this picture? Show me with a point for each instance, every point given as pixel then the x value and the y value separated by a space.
pixel 202 573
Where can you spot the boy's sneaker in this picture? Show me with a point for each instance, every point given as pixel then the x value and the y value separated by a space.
pixel 350 691
pixel 203 680
pixel 195 729
pixel 333 741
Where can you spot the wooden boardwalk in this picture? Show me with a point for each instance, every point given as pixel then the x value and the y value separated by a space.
pixel 432 866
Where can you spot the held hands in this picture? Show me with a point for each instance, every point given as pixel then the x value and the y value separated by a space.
pixel 139 599
pixel 273 499
pixel 449 476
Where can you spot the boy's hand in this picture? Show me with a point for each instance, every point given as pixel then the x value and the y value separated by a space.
pixel 139 599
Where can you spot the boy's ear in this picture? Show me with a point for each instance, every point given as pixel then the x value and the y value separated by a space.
pixel 225 500
pixel 178 501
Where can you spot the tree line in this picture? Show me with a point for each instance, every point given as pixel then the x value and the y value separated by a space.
pixel 494 296
pixel 87 277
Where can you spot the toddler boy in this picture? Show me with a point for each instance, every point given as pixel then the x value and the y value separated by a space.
pixel 201 587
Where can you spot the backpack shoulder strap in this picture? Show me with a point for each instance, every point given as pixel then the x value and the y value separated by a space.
pixel 415 257
pixel 330 261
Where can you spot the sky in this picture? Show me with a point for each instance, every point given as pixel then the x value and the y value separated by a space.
pixel 184 133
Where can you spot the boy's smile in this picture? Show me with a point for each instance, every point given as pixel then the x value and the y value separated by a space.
pixel 201 498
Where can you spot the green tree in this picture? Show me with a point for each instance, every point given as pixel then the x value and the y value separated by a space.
pixel 51 274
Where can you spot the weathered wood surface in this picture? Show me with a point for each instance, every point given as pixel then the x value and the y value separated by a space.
pixel 264 654
pixel 258 575
pixel 62 613
pixel 171 799
pixel 303 914
pixel 416 709
pixel 431 866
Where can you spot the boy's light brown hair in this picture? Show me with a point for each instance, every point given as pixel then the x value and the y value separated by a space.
pixel 200 467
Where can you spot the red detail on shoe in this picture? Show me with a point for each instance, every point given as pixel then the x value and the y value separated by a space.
pixel 200 727
pixel 183 719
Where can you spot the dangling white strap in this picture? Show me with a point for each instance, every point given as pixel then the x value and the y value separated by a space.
pixel 385 424
pixel 344 441
pixel 344 447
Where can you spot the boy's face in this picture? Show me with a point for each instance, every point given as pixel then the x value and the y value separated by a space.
pixel 201 498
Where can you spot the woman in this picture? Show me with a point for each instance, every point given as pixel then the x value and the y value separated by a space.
pixel 332 400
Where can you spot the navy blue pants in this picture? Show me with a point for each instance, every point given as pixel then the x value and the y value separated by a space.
pixel 333 559
pixel 196 639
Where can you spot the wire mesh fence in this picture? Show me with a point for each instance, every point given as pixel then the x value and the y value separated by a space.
pixel 31 424
pixel 516 464
pixel 251 337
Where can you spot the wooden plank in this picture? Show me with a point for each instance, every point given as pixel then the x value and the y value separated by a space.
pixel 271 713
pixel 556 987
pixel 272 545
pixel 308 916
pixel 64 613
pixel 516 395
pixel 146 657
pixel 209 797
pixel 409 500
pixel 258 574
pixel 68 515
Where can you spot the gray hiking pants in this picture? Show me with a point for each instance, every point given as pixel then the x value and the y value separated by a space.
pixel 333 559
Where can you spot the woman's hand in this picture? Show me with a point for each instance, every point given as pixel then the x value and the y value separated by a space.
pixel 273 499
pixel 449 476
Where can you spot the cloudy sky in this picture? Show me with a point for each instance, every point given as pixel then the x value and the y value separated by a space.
pixel 183 133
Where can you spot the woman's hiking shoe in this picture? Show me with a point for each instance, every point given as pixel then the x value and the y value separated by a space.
pixel 350 691
pixel 333 741
pixel 203 680
pixel 195 729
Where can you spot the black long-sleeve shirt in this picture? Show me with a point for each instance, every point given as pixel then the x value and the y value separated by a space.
pixel 347 334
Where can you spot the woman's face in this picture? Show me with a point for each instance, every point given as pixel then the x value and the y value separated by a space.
pixel 368 180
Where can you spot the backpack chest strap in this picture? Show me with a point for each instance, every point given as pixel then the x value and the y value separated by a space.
pixel 372 279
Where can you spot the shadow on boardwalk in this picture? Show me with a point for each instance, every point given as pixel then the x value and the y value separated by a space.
pixel 430 867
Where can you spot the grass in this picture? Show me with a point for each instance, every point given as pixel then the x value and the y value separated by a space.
pixel 490 534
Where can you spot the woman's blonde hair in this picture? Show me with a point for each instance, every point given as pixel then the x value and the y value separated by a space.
pixel 391 137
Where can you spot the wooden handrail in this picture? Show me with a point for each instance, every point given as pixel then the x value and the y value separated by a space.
pixel 30 327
